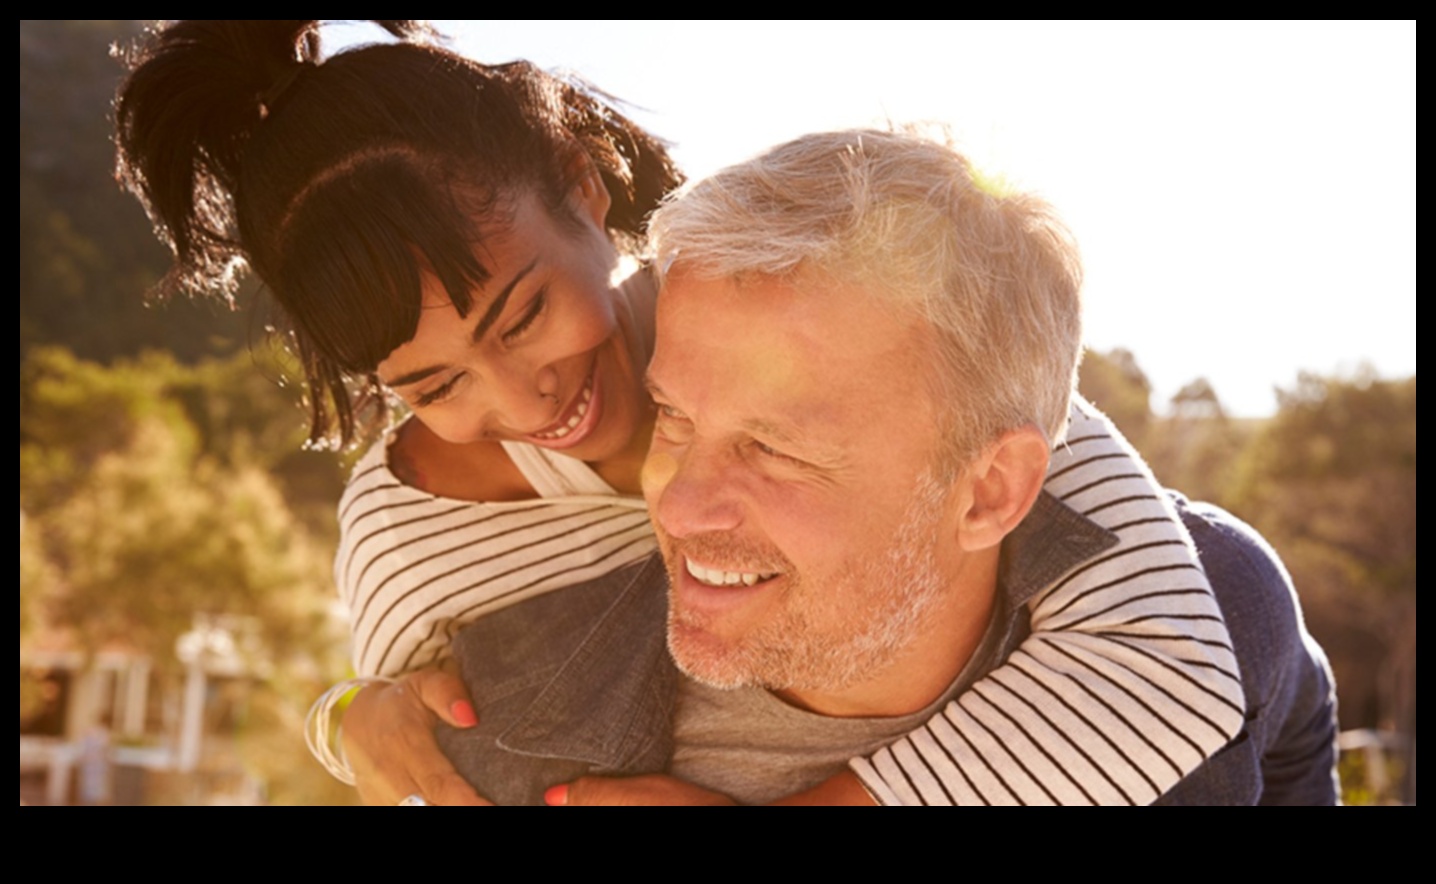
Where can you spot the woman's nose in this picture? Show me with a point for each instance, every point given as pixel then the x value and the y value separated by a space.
pixel 525 399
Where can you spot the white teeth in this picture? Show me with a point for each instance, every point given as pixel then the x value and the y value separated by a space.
pixel 711 577
pixel 580 411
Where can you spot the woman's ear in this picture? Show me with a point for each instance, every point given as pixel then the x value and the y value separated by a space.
pixel 589 197
pixel 1002 484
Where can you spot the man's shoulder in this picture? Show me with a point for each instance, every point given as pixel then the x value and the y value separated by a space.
pixel 1284 753
pixel 1256 596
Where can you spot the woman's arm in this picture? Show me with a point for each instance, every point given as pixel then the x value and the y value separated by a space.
pixel 388 738
pixel 412 567
pixel 1126 684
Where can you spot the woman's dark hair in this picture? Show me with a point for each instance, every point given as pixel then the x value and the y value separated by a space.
pixel 337 181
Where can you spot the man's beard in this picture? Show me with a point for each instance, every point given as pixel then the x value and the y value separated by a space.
pixel 821 638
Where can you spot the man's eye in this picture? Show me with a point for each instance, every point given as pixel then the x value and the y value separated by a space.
pixel 439 393
pixel 672 425
pixel 531 313
pixel 769 451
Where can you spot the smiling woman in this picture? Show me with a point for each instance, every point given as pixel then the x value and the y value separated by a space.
pixel 555 358
pixel 465 236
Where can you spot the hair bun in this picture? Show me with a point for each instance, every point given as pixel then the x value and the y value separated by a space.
pixel 195 93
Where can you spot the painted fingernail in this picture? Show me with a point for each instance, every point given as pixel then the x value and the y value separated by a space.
pixel 464 714
pixel 556 796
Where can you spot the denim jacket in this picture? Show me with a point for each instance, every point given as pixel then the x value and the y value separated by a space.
pixel 579 681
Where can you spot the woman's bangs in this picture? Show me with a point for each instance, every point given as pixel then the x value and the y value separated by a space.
pixel 354 255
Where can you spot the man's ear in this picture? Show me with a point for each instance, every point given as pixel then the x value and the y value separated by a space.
pixel 999 487
pixel 589 197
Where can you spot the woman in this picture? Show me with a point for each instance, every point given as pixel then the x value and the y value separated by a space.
pixel 461 236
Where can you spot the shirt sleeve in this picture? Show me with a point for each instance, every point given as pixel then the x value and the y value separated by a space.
pixel 413 568
pixel 1127 683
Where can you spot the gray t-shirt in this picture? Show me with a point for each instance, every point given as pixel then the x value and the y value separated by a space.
pixel 755 748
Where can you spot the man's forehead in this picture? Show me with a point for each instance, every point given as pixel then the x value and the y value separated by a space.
pixel 798 351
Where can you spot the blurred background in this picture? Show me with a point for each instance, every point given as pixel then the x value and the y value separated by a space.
pixel 1245 197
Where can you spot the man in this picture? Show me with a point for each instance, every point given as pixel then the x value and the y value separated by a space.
pixel 846 481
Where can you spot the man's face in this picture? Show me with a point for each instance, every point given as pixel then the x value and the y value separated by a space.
pixel 790 482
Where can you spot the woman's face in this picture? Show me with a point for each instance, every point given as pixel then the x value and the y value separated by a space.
pixel 550 352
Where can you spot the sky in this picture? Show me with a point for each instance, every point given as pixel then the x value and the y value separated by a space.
pixel 1244 194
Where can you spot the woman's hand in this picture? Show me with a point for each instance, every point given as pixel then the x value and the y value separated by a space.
pixel 644 791
pixel 388 736
pixel 659 789
pixel 842 789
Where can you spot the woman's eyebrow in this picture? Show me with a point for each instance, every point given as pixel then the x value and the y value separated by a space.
pixel 496 308
pixel 486 322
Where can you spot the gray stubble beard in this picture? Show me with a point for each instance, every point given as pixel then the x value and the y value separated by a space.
pixel 903 586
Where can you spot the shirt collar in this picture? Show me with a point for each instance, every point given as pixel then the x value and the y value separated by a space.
pixel 1051 541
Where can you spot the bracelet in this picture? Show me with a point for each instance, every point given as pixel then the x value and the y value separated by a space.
pixel 321 739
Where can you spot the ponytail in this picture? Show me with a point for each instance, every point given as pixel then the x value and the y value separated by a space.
pixel 196 91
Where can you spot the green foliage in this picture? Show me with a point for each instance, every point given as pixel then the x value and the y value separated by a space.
pixel 37 577
pixel 1197 400
pixel 154 493
pixel 1117 385
pixel 152 485
pixel 1371 778
pixel 37 582
pixel 1336 471
pixel 1331 481
pixel 87 253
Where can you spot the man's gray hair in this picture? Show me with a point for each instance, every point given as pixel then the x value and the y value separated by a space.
pixel 994 272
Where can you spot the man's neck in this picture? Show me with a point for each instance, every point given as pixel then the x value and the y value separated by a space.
pixel 926 666
pixel 751 745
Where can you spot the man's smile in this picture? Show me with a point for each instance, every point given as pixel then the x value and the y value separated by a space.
pixel 718 577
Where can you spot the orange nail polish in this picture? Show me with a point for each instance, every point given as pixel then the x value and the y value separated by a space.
pixel 463 712
pixel 556 796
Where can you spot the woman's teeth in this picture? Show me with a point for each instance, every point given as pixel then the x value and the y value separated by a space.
pixel 574 419
pixel 711 577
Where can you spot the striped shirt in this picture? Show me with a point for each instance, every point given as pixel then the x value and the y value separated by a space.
pixel 1127 682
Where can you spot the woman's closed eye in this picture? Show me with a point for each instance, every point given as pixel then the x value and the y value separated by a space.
pixel 530 315
pixel 439 393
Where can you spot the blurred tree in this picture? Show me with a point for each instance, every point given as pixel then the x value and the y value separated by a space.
pixel 37 583
pixel 1331 481
pixel 153 486
pixel 1114 383
pixel 1196 401
pixel 157 493
pixel 87 253
pixel 1197 448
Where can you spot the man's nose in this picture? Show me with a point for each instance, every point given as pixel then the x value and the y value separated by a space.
pixel 698 491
